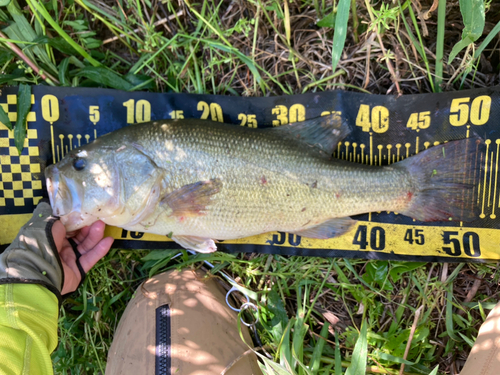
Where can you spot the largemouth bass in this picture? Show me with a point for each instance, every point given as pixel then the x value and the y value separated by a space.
pixel 199 181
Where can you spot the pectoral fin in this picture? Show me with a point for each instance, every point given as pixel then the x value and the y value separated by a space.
pixel 192 199
pixel 199 244
pixel 328 229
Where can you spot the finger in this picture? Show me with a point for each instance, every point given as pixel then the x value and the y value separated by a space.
pixel 89 259
pixel 81 234
pixel 94 234
pixel 58 234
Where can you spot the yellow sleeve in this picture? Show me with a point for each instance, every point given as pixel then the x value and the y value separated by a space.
pixel 28 329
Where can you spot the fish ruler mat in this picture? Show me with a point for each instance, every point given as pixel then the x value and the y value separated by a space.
pixel 385 130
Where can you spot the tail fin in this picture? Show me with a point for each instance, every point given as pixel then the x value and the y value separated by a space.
pixel 444 177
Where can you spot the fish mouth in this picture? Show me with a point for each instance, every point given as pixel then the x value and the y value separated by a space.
pixel 64 194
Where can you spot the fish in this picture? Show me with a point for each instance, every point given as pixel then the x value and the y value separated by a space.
pixel 199 182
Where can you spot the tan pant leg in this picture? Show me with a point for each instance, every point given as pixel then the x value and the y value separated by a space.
pixel 484 358
pixel 204 337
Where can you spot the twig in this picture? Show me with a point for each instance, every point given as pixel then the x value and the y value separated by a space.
pixel 470 295
pixel 157 23
pixel 410 338
pixel 45 76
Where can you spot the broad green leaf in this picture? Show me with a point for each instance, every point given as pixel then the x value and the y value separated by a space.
pixel 62 45
pixel 473 17
pixel 4 118
pixel 140 81
pixel 435 371
pixel 251 294
pixel 23 108
pixel 340 33
pixel 280 319
pixel 359 354
pixel 327 21
pixel 392 358
pixel 105 77
pixel 398 269
pixel 4 3
pixel 5 56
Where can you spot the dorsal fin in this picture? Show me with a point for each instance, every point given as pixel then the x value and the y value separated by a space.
pixel 323 132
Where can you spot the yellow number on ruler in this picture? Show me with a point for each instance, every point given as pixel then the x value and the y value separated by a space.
pixel 479 111
pixel 50 108
pixel 420 120
pixel 376 119
pixel 281 113
pixel 141 110
pixel 94 114
pixel 179 114
pixel 214 110
pixel 249 120
pixel 335 113
pixel 130 104
pixel 380 119
pixel 296 113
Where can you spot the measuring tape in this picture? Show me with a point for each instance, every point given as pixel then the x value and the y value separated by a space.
pixel 385 130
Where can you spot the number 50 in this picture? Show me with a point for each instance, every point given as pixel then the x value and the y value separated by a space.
pixel 479 111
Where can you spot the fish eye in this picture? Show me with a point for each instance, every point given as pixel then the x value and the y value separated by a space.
pixel 79 164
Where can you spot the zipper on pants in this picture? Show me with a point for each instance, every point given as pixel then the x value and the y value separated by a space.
pixel 163 359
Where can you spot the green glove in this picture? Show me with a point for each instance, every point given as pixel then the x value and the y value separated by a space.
pixel 32 258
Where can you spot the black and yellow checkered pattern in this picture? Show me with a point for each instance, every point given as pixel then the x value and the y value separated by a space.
pixel 20 175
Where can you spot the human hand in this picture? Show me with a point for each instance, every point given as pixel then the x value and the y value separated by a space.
pixel 90 244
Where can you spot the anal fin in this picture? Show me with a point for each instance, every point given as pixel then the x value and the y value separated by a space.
pixel 328 229
pixel 199 244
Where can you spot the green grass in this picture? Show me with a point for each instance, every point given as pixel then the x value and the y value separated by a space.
pixel 317 316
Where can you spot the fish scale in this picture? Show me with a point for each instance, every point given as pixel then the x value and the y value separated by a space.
pixel 217 181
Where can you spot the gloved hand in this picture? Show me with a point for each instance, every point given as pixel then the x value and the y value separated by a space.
pixel 41 253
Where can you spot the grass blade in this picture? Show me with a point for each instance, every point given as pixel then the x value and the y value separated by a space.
pixel 63 69
pixel 318 349
pixel 493 33
pixel 41 9
pixel 4 118
pixel 441 21
pixel 449 315
pixel 339 36
pixel 338 358
pixel 23 108
pixel 359 354
pixel 466 339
